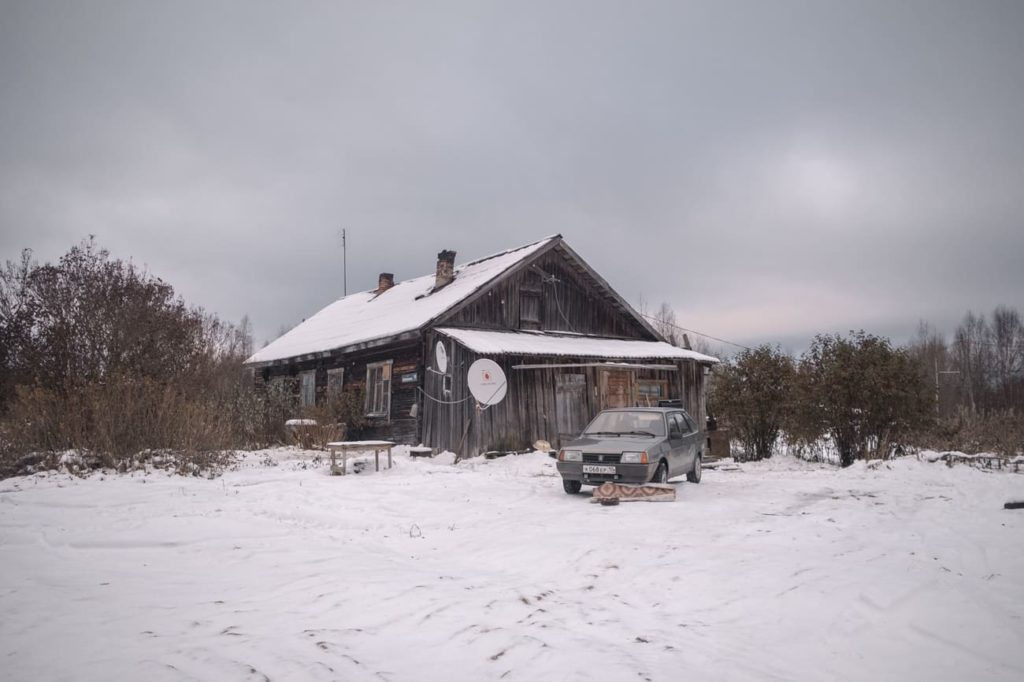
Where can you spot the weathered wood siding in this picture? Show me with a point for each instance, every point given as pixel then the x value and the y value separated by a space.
pixel 530 410
pixel 569 300
pixel 401 427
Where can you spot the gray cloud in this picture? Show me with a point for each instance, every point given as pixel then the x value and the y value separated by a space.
pixel 770 169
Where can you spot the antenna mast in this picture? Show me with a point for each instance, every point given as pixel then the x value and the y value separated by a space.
pixel 344 263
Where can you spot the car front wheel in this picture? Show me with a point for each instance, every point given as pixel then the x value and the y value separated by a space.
pixel 694 476
pixel 571 487
pixel 661 475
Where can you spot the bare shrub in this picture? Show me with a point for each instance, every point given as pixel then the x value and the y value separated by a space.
pixel 867 396
pixel 997 431
pixel 753 393
pixel 119 422
pixel 103 359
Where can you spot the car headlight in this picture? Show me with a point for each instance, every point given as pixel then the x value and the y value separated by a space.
pixel 634 458
pixel 570 456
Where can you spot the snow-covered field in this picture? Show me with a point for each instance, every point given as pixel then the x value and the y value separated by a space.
pixel 487 570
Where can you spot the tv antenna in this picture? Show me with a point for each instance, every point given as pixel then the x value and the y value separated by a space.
pixel 344 263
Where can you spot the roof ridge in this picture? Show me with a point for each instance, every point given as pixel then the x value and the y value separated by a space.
pixel 458 267
pixel 513 250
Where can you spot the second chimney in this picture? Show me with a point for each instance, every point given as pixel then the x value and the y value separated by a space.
pixel 385 282
pixel 445 268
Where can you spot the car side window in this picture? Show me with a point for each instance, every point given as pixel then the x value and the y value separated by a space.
pixel 689 426
pixel 678 425
pixel 674 427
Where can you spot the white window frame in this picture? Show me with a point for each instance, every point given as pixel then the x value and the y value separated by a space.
pixel 335 381
pixel 307 378
pixel 378 394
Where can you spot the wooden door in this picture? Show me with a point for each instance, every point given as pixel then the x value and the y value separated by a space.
pixel 570 405
pixel 618 388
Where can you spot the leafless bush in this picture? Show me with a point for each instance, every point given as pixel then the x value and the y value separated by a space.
pixel 117 423
pixel 103 359
pixel 998 431
pixel 339 416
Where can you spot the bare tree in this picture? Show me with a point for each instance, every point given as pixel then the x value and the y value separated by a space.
pixel 971 355
pixel 1007 353
pixel 665 324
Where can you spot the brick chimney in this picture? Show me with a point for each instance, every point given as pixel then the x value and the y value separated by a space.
pixel 385 282
pixel 445 268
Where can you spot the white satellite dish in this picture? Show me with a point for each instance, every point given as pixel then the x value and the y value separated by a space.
pixel 486 382
pixel 441 356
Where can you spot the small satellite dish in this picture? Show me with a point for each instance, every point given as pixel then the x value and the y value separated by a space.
pixel 441 356
pixel 487 382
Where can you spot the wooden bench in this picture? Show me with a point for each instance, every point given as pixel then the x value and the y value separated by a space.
pixel 349 446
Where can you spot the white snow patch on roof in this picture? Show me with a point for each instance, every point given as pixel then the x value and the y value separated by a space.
pixel 405 307
pixel 527 343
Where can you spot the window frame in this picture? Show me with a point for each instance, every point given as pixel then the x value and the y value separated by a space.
pixel 385 367
pixel 335 385
pixel 303 376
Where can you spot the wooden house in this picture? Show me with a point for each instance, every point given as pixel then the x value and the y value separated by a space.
pixel 569 346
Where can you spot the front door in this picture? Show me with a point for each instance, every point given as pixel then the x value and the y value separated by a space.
pixel 570 405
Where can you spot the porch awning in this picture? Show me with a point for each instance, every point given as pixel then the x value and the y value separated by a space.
pixel 486 342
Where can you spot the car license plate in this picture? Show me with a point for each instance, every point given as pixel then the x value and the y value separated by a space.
pixel 598 469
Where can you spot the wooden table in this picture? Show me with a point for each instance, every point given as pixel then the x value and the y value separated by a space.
pixel 347 446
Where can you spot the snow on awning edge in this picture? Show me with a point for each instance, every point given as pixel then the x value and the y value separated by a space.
pixel 491 342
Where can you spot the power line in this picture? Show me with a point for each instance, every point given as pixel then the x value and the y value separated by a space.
pixel 694 331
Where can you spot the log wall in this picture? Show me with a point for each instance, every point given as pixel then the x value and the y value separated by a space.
pixel 401 426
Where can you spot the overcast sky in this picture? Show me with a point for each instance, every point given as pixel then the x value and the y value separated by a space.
pixel 770 169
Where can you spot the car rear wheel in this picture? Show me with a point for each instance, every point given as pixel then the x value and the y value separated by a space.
pixel 571 487
pixel 661 475
pixel 694 476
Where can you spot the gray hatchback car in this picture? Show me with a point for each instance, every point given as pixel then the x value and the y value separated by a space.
pixel 633 445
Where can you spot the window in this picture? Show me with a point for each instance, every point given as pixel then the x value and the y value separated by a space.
pixel 307 388
pixel 279 388
pixel 378 389
pixel 675 427
pixel 623 422
pixel 678 426
pixel 650 391
pixel 335 381
pixel 530 292
pixel 529 311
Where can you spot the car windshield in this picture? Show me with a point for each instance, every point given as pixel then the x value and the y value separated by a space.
pixel 627 423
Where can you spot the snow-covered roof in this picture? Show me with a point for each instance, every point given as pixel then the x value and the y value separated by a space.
pixel 405 307
pixel 540 343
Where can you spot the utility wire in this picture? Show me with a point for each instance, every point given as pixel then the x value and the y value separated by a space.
pixel 443 402
pixel 694 331
pixel 553 281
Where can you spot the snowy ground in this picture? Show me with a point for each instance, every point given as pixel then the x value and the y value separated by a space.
pixel 778 571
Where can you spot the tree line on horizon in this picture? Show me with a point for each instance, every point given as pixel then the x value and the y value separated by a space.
pixel 870 399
